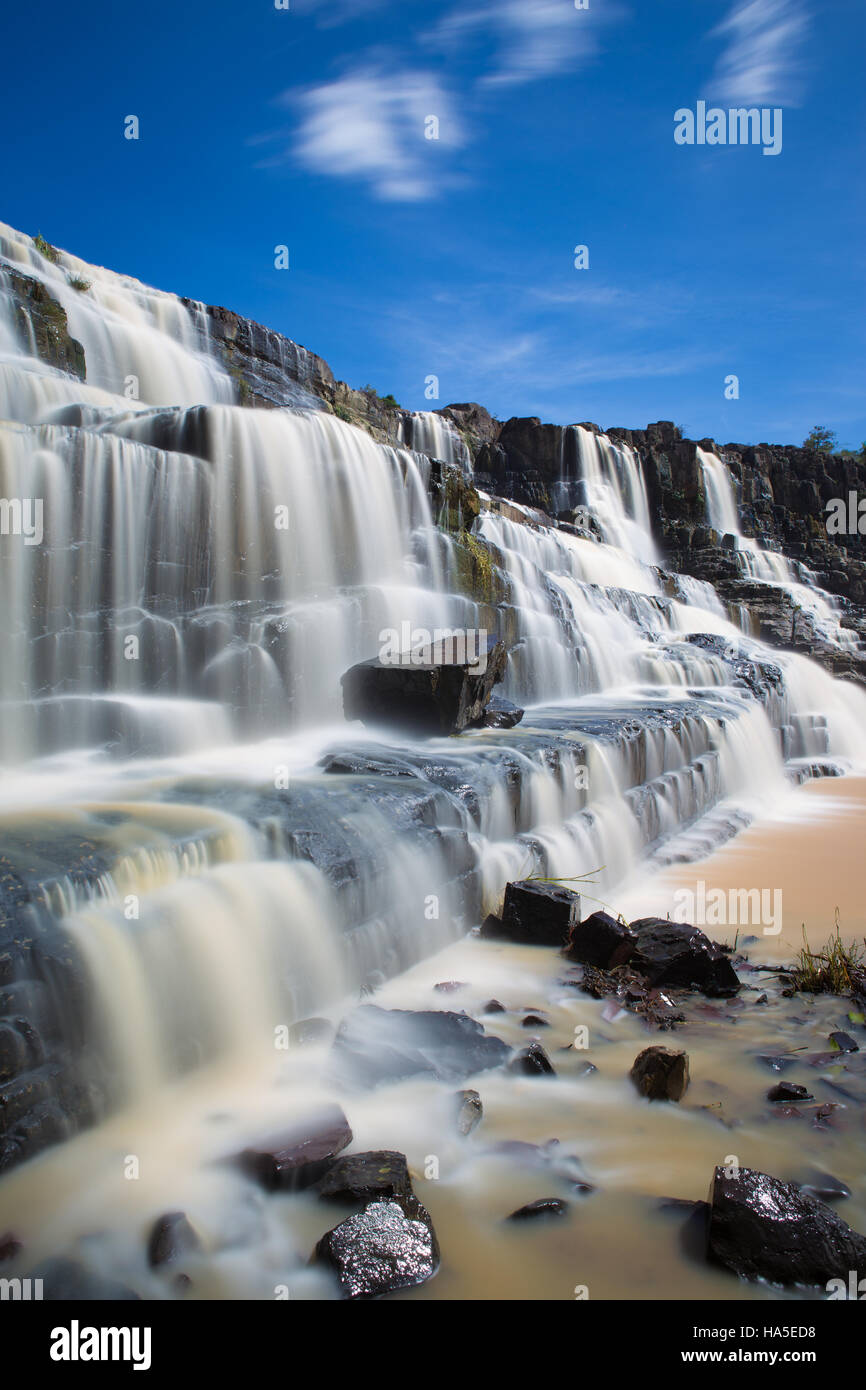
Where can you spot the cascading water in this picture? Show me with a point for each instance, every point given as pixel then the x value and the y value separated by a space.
pixel 184 803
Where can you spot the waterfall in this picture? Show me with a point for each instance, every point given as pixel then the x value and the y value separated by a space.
pixel 185 805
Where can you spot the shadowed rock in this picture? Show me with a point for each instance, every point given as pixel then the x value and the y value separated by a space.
pixel 673 953
pixel 532 1061
pixel 535 914
pixel 366 1177
pixel 172 1235
pixel 601 941
pixel 389 1245
pixel 788 1091
pixel 544 1206
pixel 434 689
pixel 762 1228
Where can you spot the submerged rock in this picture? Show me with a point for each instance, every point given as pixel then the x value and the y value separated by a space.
pixel 470 1111
pixel 788 1091
pixel 659 1073
pixel 539 914
pixel 66 1280
pixel 673 953
pixel 376 1045
pixel 389 1245
pixel 544 1206
pixel 762 1228
pixel 366 1177
pixel 307 1032
pixel 824 1187
pixel 435 688
pixel 171 1236
pixel 601 941
pixel 302 1153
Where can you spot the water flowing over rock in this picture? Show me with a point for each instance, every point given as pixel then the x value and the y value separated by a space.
pixel 375 1045
pixel 434 689
pixel 302 1154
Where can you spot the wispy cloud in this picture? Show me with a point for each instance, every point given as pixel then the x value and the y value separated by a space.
pixel 762 62
pixel 370 125
pixel 530 38
pixel 333 12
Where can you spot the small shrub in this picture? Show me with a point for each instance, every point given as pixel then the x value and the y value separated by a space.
pixel 77 282
pixel 821 440
pixel 46 249
pixel 837 969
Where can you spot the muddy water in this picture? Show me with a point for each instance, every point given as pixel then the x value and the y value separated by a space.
pixel 85 1200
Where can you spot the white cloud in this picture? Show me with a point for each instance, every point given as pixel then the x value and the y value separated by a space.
pixel 532 38
pixel 762 62
pixel 370 125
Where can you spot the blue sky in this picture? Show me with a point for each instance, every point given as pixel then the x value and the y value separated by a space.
pixel 454 257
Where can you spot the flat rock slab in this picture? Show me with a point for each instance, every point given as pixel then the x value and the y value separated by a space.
pixel 762 1228
pixel 676 954
pixel 389 1245
pixel 374 1046
pixel 366 1177
pixel 302 1153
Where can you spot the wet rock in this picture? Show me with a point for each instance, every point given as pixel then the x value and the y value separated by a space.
pixel 601 941
pixel 492 929
pixel 787 1091
pixel 469 1111
pixel 433 689
pixel 501 714
pixel 544 1206
pixel 659 1073
pixel 673 953
pixel 376 1045
pixel 449 986
pixel 844 1042
pixel 171 1236
pixel 534 1021
pixel 777 1063
pixel 10 1246
pixel 824 1187
pixel 532 1061
pixel 762 1228
pixel 389 1245
pixel 366 1177
pixel 302 1153
pixel 493 1006
pixel 310 1031
pixel 539 914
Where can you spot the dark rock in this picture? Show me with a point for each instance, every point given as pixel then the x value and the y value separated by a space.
pixel 10 1246
pixel 469 1111
pixel 492 929
pixel 788 1091
pixel 534 1021
pixel 310 1031
pixel 844 1042
pixel 376 1045
pixel 68 1281
pixel 366 1177
pixel 601 941
pixel 824 1187
pixel 661 1074
pixel 673 953
pixel 493 1006
pixel 389 1245
pixel 532 1061
pixel 544 1206
pixel 431 690
pixel 539 914
pixel 449 986
pixel 172 1235
pixel 501 714
pixel 762 1228
pixel 302 1153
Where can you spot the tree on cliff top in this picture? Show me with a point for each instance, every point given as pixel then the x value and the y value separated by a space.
pixel 821 439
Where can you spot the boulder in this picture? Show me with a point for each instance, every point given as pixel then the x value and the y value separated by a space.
pixel 302 1153
pixel 673 953
pixel 366 1177
pixel 171 1236
pixel 435 688
pixel 376 1045
pixel 469 1111
pixel 844 1042
pixel 389 1245
pixel 601 941
pixel 501 714
pixel 532 1061
pixel 544 1206
pixel 762 1228
pixel 539 914
pixel 659 1073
